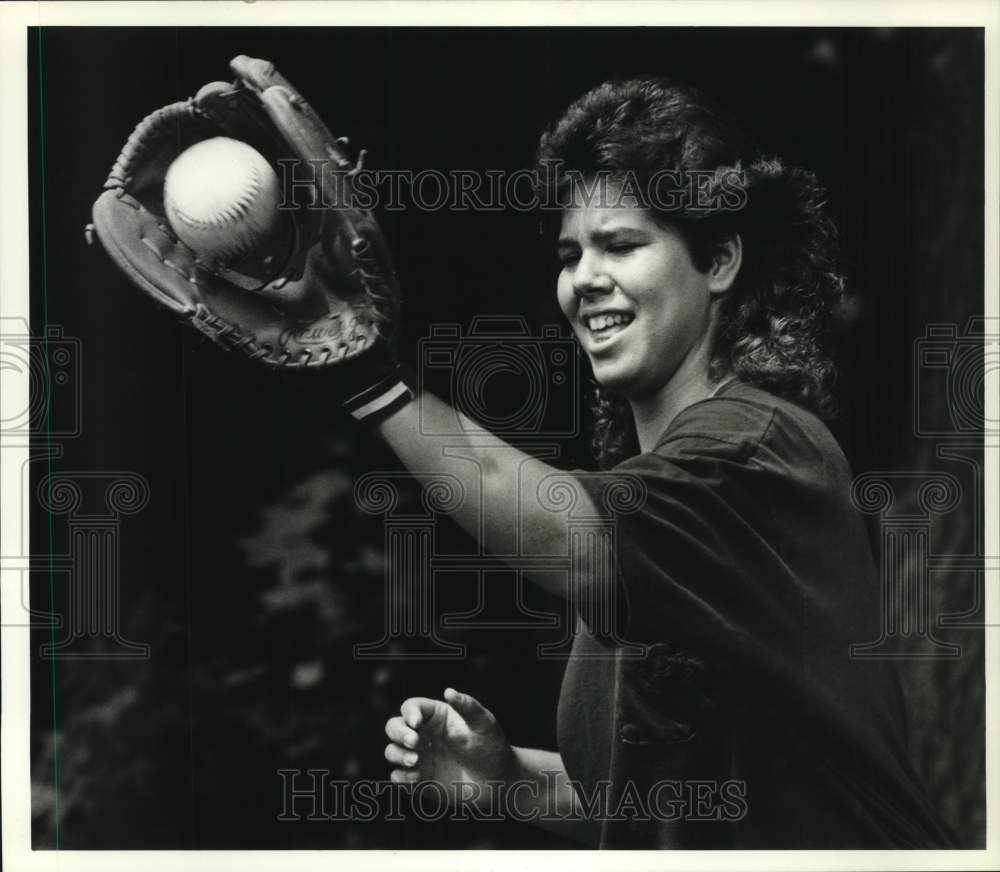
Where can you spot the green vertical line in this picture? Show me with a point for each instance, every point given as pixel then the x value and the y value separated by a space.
pixel 186 459
pixel 48 428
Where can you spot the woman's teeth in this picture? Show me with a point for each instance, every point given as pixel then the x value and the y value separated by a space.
pixel 597 323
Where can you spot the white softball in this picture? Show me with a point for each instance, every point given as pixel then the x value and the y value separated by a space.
pixel 221 197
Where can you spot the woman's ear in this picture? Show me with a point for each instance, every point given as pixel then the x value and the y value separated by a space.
pixel 727 256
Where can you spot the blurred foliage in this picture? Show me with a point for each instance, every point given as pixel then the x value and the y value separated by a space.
pixel 269 683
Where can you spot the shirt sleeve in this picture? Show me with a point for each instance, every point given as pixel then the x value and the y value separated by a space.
pixel 700 560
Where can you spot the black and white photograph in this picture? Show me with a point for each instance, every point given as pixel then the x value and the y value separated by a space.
pixel 528 429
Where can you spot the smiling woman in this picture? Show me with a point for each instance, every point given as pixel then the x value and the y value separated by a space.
pixel 713 702
pixel 770 252
pixel 645 315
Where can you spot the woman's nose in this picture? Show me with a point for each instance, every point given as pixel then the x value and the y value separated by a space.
pixel 589 277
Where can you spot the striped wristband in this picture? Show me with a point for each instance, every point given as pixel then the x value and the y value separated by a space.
pixel 385 397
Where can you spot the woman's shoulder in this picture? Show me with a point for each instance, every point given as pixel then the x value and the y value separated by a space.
pixel 752 448
pixel 742 421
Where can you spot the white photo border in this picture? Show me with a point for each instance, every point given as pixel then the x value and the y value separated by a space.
pixel 16 18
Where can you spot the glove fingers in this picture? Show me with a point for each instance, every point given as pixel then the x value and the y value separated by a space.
pixel 303 129
pixel 237 114
pixel 140 247
pixel 359 266
pixel 154 144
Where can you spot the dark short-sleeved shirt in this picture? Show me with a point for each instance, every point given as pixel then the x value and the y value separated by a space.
pixel 746 576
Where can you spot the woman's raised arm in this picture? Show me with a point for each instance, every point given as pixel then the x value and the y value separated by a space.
pixel 501 506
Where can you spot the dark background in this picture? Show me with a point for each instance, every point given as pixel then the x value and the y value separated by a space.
pixel 251 573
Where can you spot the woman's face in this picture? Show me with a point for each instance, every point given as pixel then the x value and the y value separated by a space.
pixel 636 302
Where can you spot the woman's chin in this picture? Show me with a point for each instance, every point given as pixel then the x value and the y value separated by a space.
pixel 613 378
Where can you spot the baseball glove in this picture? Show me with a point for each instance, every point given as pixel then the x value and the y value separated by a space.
pixel 323 295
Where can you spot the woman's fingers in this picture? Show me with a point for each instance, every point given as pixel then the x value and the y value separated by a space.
pixel 418 709
pixel 405 776
pixel 400 756
pixel 475 714
pixel 398 732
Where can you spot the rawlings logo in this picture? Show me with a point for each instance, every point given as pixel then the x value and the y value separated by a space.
pixel 313 334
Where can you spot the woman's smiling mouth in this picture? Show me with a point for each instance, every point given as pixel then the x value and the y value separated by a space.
pixel 603 326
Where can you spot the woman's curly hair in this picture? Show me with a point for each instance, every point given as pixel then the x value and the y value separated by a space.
pixel 777 316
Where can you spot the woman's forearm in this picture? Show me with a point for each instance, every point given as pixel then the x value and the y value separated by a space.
pixel 501 507
pixel 550 802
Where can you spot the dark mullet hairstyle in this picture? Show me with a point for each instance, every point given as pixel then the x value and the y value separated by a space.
pixel 776 319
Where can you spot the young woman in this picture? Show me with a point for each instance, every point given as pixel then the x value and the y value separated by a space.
pixel 700 281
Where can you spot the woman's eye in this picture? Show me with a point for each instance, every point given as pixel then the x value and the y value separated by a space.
pixel 622 247
pixel 569 258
